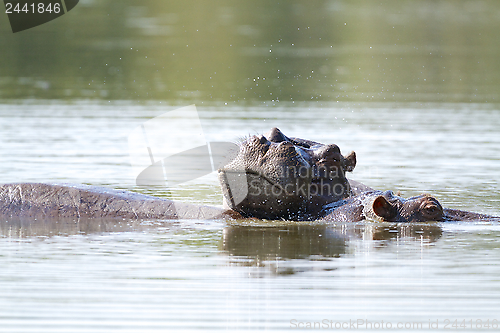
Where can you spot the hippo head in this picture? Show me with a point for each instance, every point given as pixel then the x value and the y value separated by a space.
pixel 391 208
pixel 277 177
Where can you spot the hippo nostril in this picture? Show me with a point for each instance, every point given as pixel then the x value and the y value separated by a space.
pixel 333 149
pixel 262 139
pixel 328 151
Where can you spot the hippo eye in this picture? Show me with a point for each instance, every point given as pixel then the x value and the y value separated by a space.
pixel 431 209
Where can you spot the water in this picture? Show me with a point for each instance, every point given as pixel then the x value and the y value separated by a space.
pixel 396 81
pixel 217 275
pixel 235 52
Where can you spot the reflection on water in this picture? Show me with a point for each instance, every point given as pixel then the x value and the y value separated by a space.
pixel 236 52
pixel 154 276
pixel 288 242
pixel 281 247
pixel 15 228
pixel 265 246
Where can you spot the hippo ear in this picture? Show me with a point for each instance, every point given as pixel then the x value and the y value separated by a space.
pixel 350 161
pixel 382 208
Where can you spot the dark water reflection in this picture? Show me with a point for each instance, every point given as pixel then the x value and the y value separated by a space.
pixel 303 241
pixel 16 228
pixel 286 242
pixel 246 243
pixel 266 246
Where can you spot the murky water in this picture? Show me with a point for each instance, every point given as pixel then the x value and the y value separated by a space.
pixel 215 275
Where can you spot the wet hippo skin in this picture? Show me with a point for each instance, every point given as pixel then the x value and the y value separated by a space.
pixel 388 207
pixel 286 178
pixel 61 201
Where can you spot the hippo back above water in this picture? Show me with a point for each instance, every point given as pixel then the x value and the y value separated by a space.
pixel 27 201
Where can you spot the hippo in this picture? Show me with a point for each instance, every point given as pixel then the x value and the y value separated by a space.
pixel 388 207
pixel 271 177
pixel 287 178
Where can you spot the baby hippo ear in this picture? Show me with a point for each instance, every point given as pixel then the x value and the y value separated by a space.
pixel 350 161
pixel 383 209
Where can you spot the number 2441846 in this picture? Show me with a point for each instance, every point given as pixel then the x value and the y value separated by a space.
pixel 39 8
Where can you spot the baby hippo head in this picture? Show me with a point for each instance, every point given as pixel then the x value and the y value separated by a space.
pixel 391 208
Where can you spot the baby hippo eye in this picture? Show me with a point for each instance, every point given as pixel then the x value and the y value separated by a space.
pixel 431 210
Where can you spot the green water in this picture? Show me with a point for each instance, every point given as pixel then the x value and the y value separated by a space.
pixel 267 51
